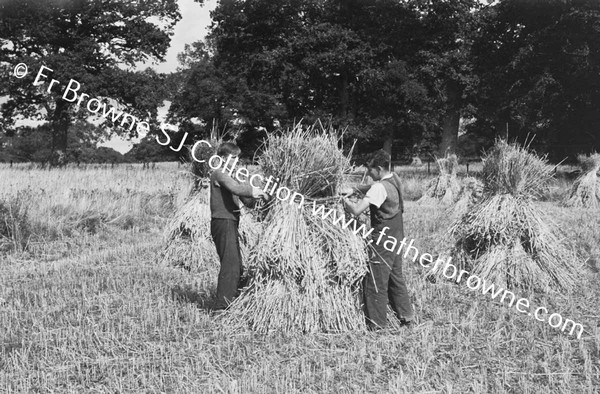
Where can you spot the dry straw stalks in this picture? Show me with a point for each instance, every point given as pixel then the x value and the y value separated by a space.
pixel 504 238
pixel 188 243
pixel 445 188
pixel 585 192
pixel 303 270
pixel 470 193
pixel 458 196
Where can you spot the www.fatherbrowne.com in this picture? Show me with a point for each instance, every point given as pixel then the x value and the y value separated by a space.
pixel 449 270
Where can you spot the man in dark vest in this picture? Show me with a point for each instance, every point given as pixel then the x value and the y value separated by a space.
pixel 225 193
pixel 385 280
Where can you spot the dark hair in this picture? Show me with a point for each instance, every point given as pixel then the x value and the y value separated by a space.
pixel 228 148
pixel 379 158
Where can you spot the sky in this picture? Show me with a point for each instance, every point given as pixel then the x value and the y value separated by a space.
pixel 193 25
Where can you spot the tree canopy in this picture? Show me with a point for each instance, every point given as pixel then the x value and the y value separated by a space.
pixel 538 63
pixel 402 75
pixel 385 70
pixel 31 144
pixel 91 42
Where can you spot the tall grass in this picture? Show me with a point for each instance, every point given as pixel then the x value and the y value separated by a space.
pixel 14 223
pixel 70 202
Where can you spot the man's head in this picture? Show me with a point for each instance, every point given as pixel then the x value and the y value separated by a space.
pixel 378 164
pixel 227 149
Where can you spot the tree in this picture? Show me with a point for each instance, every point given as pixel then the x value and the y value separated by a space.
pixel 291 60
pixel 27 144
pixel 31 144
pixel 539 62
pixel 105 154
pixel 443 38
pixel 86 41
pixel 379 68
pixel 394 104
pixel 147 150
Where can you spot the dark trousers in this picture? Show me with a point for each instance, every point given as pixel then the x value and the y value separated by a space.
pixel 384 282
pixel 225 235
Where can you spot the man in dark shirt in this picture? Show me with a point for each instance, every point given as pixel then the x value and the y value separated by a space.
pixel 384 280
pixel 225 214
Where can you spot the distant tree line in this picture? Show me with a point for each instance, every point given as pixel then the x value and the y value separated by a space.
pixel 412 76
pixel 403 74
pixel 88 41
pixel 31 144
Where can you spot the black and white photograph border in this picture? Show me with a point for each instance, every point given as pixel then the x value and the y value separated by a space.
pixel 299 196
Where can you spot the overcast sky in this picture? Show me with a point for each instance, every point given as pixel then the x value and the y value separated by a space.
pixel 192 26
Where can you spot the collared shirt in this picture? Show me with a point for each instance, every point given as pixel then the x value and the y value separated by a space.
pixel 377 194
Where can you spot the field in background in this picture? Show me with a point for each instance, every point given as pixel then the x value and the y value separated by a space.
pixel 85 307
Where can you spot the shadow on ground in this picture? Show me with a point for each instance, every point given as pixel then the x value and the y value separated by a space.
pixel 187 294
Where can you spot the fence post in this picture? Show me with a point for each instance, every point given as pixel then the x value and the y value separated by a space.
pixel 428 169
pixel 467 167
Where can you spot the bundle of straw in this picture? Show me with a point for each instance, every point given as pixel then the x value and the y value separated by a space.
pixel 188 242
pixel 511 169
pixel 292 238
pixel 504 238
pixel 445 188
pixel 303 270
pixel 199 168
pixel 585 192
pixel 471 191
pixel 305 161
pixel 286 306
pixel 187 236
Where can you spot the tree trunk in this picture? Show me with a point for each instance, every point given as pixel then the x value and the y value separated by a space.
pixel 344 95
pixel 60 127
pixel 502 127
pixel 389 140
pixel 450 126
pixel 451 120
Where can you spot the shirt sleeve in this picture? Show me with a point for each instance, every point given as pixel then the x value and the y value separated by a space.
pixel 235 187
pixel 376 195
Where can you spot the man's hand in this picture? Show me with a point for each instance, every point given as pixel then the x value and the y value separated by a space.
pixel 259 193
pixel 355 209
pixel 266 197
pixel 345 203
pixel 346 191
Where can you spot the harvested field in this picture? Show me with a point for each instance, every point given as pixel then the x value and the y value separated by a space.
pixel 85 306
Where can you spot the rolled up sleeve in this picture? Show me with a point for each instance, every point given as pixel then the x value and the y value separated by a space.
pixel 376 195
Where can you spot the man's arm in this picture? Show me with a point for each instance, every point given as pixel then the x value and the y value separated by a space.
pixel 375 195
pixel 348 191
pixel 358 208
pixel 248 202
pixel 362 188
pixel 235 187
